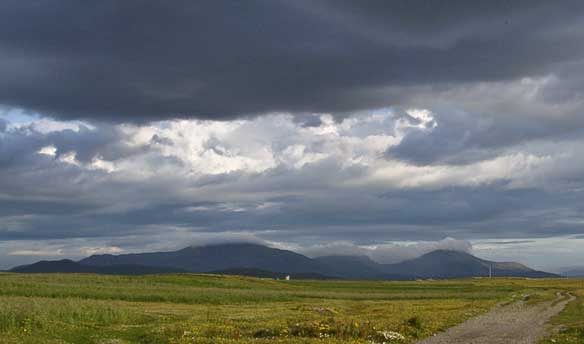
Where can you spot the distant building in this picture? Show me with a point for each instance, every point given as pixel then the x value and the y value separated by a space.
pixel 287 278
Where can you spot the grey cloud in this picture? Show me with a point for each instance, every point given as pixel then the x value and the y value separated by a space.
pixel 320 212
pixel 161 140
pixel 139 61
pixel 307 120
pixel 512 242
pixel 21 143
pixel 568 85
pixel 465 134
pixel 452 140
pixel 457 137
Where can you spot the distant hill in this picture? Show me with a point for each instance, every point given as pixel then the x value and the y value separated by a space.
pixel 262 261
pixel 436 264
pixel 359 267
pixel 65 265
pixel 69 266
pixel 354 267
pixel 217 257
pixel 456 264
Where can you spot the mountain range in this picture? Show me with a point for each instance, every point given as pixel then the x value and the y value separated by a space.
pixel 262 261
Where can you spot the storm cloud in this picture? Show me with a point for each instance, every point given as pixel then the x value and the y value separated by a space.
pixel 148 60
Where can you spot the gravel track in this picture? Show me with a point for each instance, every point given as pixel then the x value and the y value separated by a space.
pixel 515 323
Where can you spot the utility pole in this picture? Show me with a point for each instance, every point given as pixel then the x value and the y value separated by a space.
pixel 490 270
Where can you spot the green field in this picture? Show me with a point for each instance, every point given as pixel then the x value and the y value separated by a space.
pixel 189 308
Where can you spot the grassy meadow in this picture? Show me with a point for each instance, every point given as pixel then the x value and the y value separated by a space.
pixel 190 308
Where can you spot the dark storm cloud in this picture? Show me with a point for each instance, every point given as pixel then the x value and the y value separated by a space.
pixel 146 60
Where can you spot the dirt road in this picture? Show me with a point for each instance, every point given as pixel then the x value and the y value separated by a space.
pixel 515 323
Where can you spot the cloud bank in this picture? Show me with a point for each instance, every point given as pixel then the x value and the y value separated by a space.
pixel 278 180
pixel 146 60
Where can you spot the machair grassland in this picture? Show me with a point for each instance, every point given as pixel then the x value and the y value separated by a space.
pixel 191 308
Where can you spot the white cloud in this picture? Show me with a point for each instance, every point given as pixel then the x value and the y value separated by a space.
pixel 514 167
pixel 88 251
pixel 69 158
pixel 254 146
pixel 194 149
pixel 50 150
pixel 35 253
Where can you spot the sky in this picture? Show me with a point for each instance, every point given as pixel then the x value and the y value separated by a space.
pixel 385 128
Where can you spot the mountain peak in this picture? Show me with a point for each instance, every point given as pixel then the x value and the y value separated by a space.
pixel 455 264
